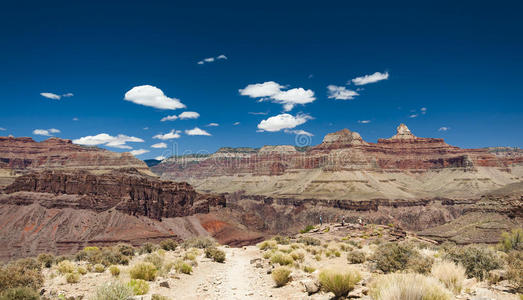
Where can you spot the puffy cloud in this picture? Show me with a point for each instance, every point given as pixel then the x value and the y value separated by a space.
pixel 283 121
pixel 273 91
pixel 46 132
pixel 56 96
pixel 212 59
pixel 2 129
pixel 138 152
pixel 370 78
pixel 340 93
pixel 413 116
pixel 213 124
pixel 118 141
pixel 159 145
pixel 169 118
pixel 168 136
pixel 363 121
pixel 188 115
pixel 196 131
pixel 161 157
pixel 236 123
pixel 152 96
pixel 298 132
pixel 444 128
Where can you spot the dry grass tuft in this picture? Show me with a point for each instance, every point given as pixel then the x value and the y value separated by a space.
pixel 408 286
pixel 339 283
pixel 450 274
pixel 281 276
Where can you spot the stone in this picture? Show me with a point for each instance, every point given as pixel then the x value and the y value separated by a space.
pixel 164 284
pixel 311 286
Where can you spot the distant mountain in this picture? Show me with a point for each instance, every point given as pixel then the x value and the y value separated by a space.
pixel 152 162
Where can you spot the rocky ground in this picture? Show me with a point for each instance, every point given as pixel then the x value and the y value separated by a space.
pixel 246 272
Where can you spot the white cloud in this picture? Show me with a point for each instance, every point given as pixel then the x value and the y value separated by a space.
pixel 159 145
pixel 152 96
pixel 118 141
pixel 283 121
pixel 2 129
pixel 197 131
pixel 236 123
pixel 56 96
pixel 138 152
pixel 340 93
pixel 188 115
pixel 75 119
pixel 423 110
pixel 169 118
pixel 161 157
pixel 212 59
pixel 213 124
pixel 146 128
pixel 363 121
pixel 370 78
pixel 413 116
pixel 168 136
pixel 51 96
pixel 258 113
pixel 45 132
pixel 273 91
pixel 444 128
pixel 298 132
pixel 258 90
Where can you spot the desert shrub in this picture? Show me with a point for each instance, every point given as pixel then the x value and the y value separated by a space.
pixel 139 286
pixel 267 254
pixel 106 256
pixel 65 267
pixel 477 260
pixel 317 257
pixel 266 245
pixel 298 255
pixel 308 269
pixel 394 257
pixel 450 274
pixel 515 269
pixel 168 245
pixel 62 258
pixel 155 259
pixel 512 240
pixel 295 246
pixel 158 297
pixel 189 256
pixel 72 277
pixel 182 267
pixel 281 276
pixel 146 271
pixel 20 293
pixel 115 271
pixel 285 249
pixel 307 229
pixel 99 268
pixel 46 259
pixel 216 254
pixel 147 248
pixel 309 241
pixel 356 257
pixel 408 286
pixel 81 270
pixel 125 249
pixel 113 291
pixel 339 283
pixel 198 242
pixel 282 259
pixel 29 263
pixel 282 240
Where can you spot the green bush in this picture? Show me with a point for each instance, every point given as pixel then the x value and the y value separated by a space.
pixel 113 291
pixel 81 270
pixel 155 259
pixel 19 293
pixel 339 283
pixel 308 269
pixel 139 286
pixel 477 260
pixel 183 267
pixel 309 241
pixel 46 259
pixel 420 264
pixel 115 271
pixel 281 276
pixel 168 245
pixel 515 269
pixel 307 229
pixel 99 268
pixel 356 257
pixel 146 271
pixel 282 240
pixel 16 275
pixel 65 267
pixel 106 256
pixel 266 245
pixel 72 277
pixel 216 254
pixel 282 259
pixel 512 240
pixel 147 248
pixel 126 250
pixel 394 257
pixel 198 242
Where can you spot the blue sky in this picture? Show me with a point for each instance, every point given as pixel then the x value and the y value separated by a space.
pixel 461 61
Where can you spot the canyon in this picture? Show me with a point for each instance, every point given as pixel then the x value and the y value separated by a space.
pixel 57 196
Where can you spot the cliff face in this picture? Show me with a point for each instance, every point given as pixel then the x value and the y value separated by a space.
pixel 344 166
pixel 20 155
